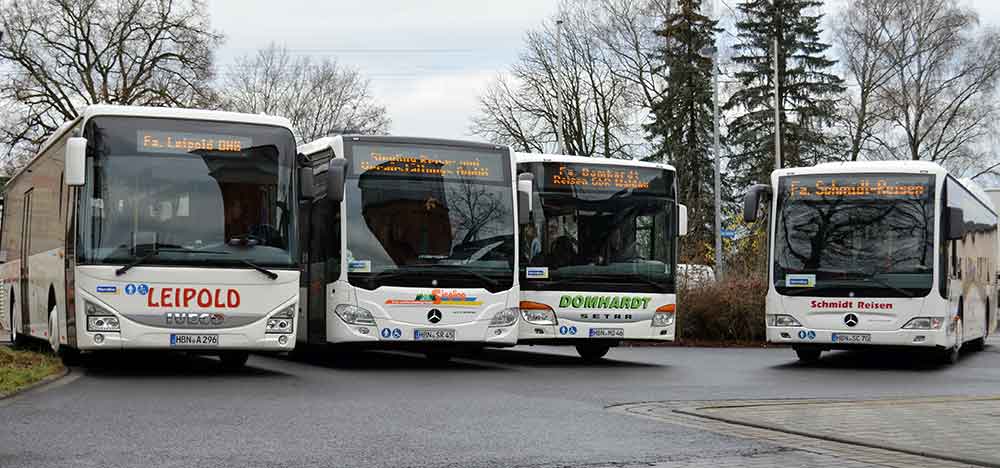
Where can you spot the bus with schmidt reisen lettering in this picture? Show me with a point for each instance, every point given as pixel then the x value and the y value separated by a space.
pixel 878 254
pixel 599 253
pixel 411 245
pixel 156 228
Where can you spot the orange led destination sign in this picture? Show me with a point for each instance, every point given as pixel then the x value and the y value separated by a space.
pixel 602 178
pixel 445 163
pixel 875 186
pixel 156 141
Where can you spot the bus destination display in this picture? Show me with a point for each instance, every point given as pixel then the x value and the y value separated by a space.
pixel 155 141
pixel 428 162
pixel 604 178
pixel 858 186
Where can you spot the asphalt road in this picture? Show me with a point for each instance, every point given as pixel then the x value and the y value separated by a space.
pixel 526 407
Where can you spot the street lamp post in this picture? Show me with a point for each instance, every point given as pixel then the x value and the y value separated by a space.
pixel 560 140
pixel 713 53
pixel 777 92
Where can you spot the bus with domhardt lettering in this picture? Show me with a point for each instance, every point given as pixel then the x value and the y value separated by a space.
pixel 599 252
pixel 878 254
pixel 155 228
pixel 411 245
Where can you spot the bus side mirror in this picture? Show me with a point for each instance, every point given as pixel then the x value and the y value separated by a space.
pixel 682 220
pixel 956 223
pixel 335 176
pixel 307 186
pixel 75 169
pixel 751 204
pixel 525 184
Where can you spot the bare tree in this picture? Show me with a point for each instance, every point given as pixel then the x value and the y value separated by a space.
pixel 61 55
pixel 941 96
pixel 599 114
pixel 320 98
pixel 863 37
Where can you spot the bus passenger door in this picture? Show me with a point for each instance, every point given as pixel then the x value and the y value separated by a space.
pixel 24 281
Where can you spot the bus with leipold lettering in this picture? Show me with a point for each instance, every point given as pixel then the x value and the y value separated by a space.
pixel 599 254
pixel 156 228
pixel 878 254
pixel 411 245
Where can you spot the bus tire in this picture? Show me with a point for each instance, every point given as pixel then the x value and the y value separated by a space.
pixel 950 356
pixel 592 352
pixel 808 355
pixel 234 360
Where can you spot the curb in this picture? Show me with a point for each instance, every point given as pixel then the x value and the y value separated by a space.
pixel 45 381
pixel 844 440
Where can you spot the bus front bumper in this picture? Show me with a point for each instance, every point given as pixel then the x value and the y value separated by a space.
pixel 389 332
pixel 573 332
pixel 840 339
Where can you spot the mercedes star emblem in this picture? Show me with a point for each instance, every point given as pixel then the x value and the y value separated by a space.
pixel 850 320
pixel 434 316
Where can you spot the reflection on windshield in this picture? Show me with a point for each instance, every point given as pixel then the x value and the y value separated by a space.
pixel 451 227
pixel 882 241
pixel 599 241
pixel 203 206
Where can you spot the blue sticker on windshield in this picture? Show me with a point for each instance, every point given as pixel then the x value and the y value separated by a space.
pixel 536 272
pixel 359 266
pixel 800 281
pixel 143 289
pixel 103 289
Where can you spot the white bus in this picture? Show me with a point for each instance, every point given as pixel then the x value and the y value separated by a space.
pixel 155 228
pixel 411 244
pixel 862 254
pixel 599 255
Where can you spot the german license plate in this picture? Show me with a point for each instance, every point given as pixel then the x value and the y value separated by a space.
pixel 194 340
pixel 852 338
pixel 434 334
pixel 607 333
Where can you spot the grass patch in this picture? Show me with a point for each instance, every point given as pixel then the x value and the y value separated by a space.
pixel 21 367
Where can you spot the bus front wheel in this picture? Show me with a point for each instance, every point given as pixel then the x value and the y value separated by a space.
pixel 592 352
pixel 809 355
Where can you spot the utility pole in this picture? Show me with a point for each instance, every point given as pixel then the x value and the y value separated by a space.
pixel 777 87
pixel 560 138
pixel 713 53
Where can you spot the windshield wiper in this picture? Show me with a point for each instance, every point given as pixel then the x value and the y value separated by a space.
pixel 265 271
pixel 136 262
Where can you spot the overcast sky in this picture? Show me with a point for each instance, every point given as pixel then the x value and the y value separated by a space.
pixel 428 61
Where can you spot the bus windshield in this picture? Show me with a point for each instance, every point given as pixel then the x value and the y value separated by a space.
pixel 196 193
pixel 429 216
pixel 600 228
pixel 865 235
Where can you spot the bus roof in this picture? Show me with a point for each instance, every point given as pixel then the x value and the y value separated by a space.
pixel 904 167
pixel 321 144
pixel 536 157
pixel 156 112
pixel 867 166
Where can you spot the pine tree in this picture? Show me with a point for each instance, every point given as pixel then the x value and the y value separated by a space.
pixel 681 129
pixel 808 89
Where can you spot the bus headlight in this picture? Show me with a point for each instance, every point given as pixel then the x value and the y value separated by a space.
pixel 282 322
pixel 99 319
pixel 354 315
pixel 781 320
pixel 664 315
pixel 505 318
pixel 924 323
pixel 537 313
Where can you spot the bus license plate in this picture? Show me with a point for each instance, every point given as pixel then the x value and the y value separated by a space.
pixel 434 334
pixel 852 338
pixel 194 340
pixel 607 333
